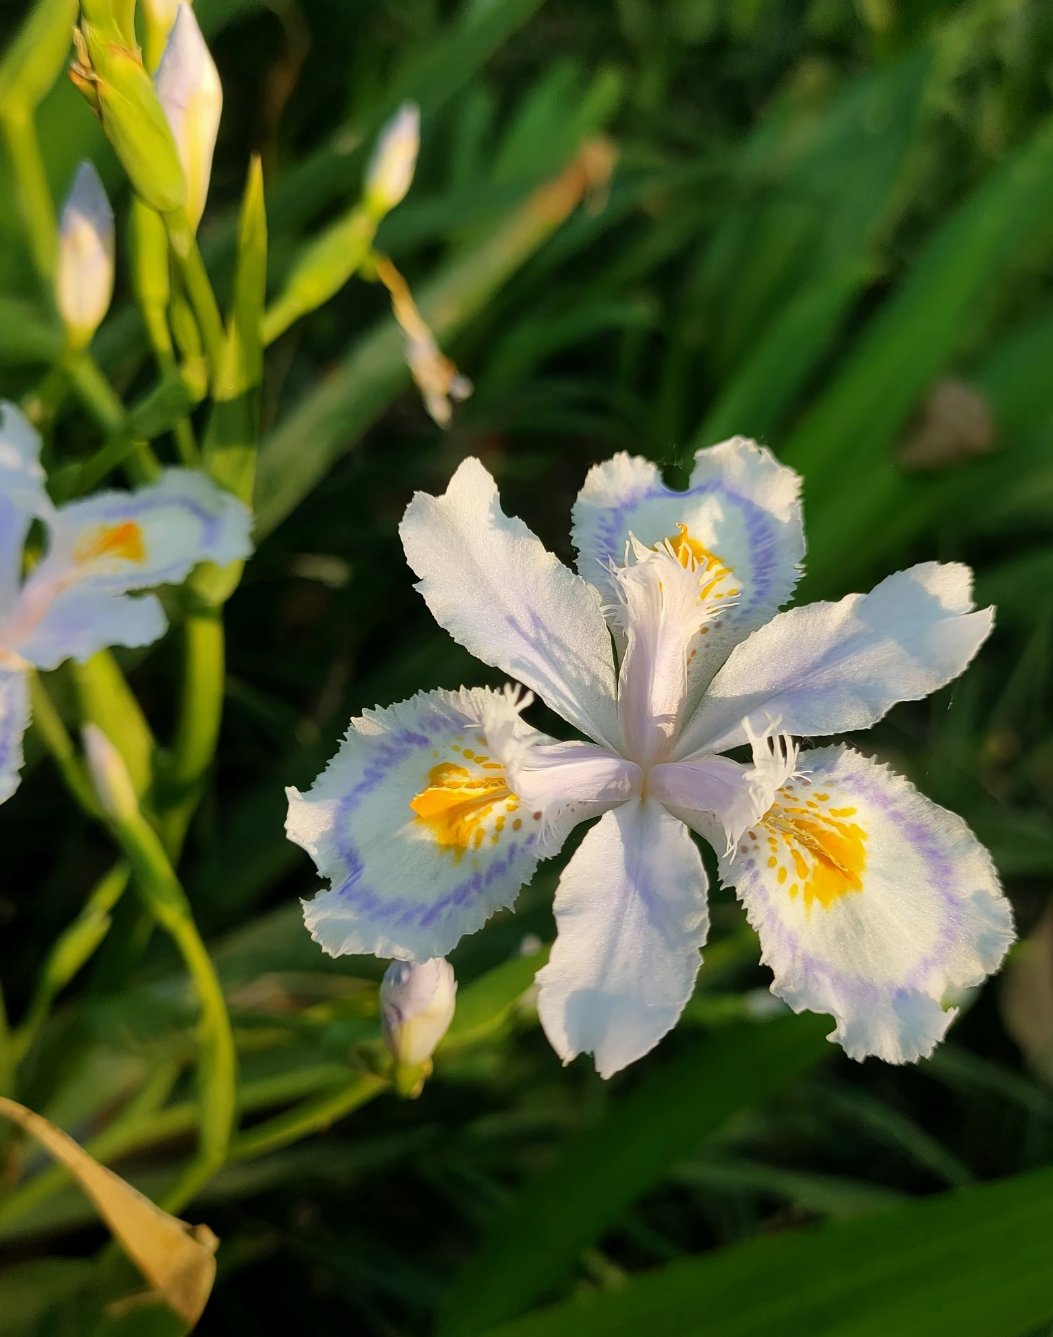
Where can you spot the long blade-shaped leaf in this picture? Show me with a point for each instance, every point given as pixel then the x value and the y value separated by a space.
pixel 606 1167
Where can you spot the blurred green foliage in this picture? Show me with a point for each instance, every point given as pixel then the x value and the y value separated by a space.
pixel 828 228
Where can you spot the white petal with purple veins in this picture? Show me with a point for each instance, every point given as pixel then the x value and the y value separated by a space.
pixel 414 825
pixel 741 518
pixel 871 902
pixel 156 535
pixel 502 595
pixel 631 918
pixel 14 719
pixel 830 667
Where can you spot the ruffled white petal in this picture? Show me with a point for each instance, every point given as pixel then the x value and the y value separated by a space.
pixel 497 590
pixel 22 496
pixel 871 903
pixel 79 622
pixel 119 541
pixel 410 881
pixel 14 719
pixel 660 611
pixel 830 667
pixel 631 917
pixel 742 507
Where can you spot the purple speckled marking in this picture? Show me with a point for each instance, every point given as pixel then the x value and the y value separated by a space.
pixel 398 910
pixel 941 870
pixel 761 533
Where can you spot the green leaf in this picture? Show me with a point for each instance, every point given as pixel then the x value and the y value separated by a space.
pixel 972 1263
pixel 601 1171
pixel 852 427
pixel 309 440
pixel 484 1005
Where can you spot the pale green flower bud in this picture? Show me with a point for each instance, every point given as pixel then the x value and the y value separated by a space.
pixel 84 279
pixel 391 167
pixel 109 775
pixel 114 81
pixel 189 90
pixel 416 1007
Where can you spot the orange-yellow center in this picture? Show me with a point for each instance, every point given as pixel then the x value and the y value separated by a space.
pixel 819 847
pixel 715 578
pixel 124 540
pixel 455 805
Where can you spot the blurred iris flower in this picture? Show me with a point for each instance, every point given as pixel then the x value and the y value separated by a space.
pixel 76 600
pixel 665 652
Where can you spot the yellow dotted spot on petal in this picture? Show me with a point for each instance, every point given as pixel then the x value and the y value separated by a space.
pixel 826 851
pixel 715 577
pixel 123 540
pixel 456 804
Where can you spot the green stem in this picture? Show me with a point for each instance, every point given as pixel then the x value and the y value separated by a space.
pixel 200 716
pixel 95 392
pixel 106 700
pixel 165 898
pixel 141 1125
pixel 48 724
pixel 307 1118
pixel 34 193
pixel 199 290
pixel 72 950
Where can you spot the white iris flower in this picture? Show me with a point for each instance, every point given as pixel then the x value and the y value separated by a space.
pixel 77 599
pixel 666 651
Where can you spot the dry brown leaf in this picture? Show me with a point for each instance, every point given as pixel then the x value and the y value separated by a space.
pixel 177 1259
pixel 952 425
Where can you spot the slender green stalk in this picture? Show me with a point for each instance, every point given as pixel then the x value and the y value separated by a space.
pixel 49 725
pixel 106 699
pixel 71 951
pixel 95 392
pixel 166 900
pixel 199 289
pixel 200 715
pixel 143 1124
pixel 34 194
pixel 107 1146
pixel 307 1118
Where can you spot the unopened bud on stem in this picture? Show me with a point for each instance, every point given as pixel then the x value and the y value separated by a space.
pixel 109 775
pixel 84 279
pixel 191 95
pixel 112 78
pixel 417 1002
pixel 391 167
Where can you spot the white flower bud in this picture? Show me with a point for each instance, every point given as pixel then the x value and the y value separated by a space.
pixel 416 1008
pixel 390 170
pixel 84 278
pixel 191 95
pixel 109 774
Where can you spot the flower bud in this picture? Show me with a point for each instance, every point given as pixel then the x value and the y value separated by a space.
pixel 416 1007
pixel 390 170
pixel 158 18
pixel 114 81
pixel 191 95
pixel 84 280
pixel 109 775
